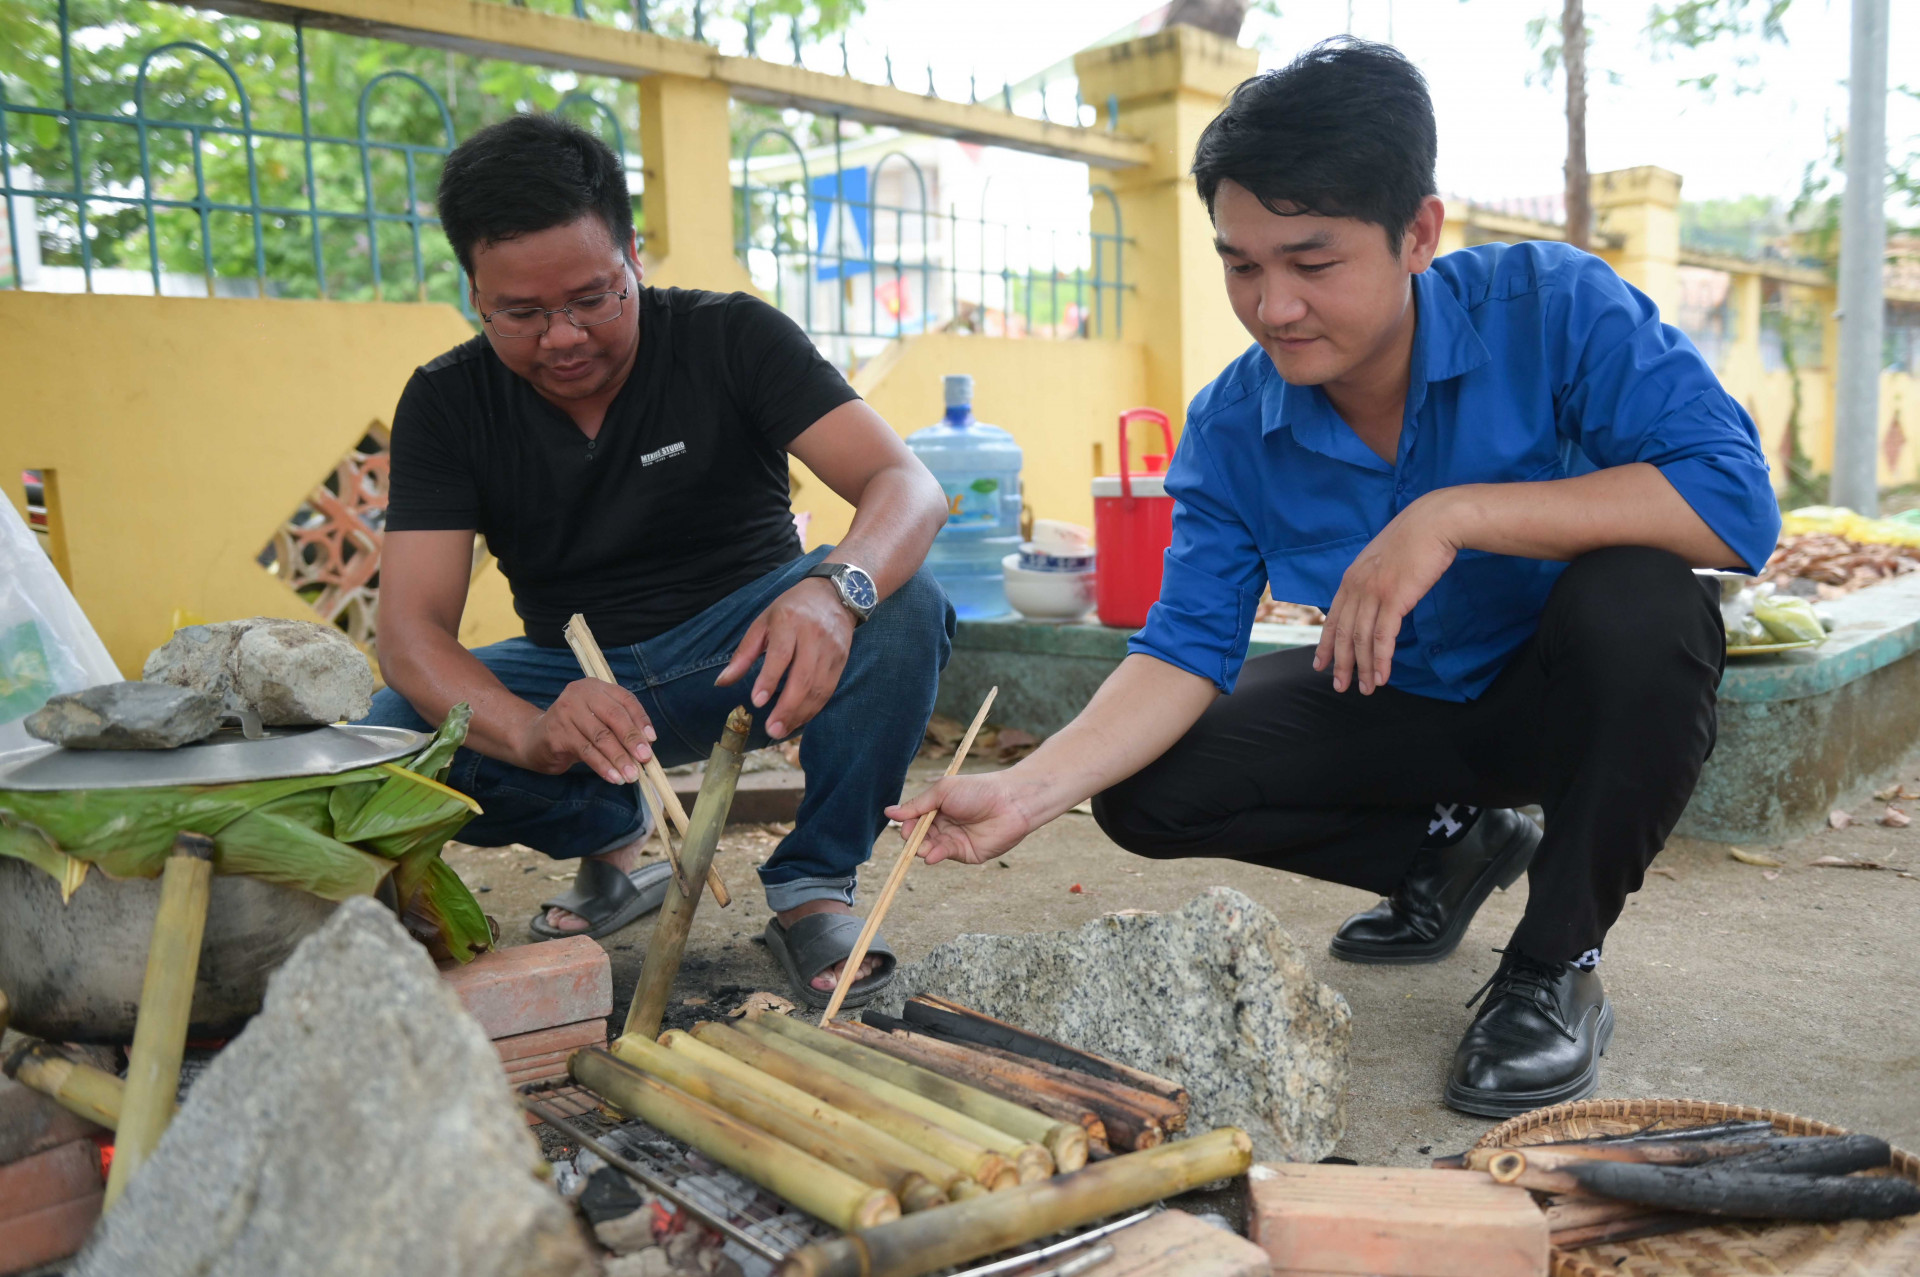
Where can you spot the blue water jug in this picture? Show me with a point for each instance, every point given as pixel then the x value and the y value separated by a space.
pixel 978 466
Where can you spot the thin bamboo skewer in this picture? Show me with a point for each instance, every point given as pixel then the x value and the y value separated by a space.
pixel 1031 1161
pixel 899 873
pixel 982 1164
pixel 593 663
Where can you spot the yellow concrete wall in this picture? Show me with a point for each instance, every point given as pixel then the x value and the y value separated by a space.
pixel 1057 398
pixel 184 431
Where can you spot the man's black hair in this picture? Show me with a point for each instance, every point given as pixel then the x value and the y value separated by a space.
pixel 1344 130
pixel 526 174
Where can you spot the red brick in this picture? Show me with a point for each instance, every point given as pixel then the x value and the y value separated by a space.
pixel 565 1037
pixel 1394 1222
pixel 1175 1244
pixel 31 1123
pixel 53 1232
pixel 47 1179
pixel 535 986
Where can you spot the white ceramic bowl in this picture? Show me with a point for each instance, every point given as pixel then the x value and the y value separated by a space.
pixel 1048 596
pixel 1033 559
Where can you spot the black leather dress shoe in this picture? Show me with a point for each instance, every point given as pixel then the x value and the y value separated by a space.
pixel 1537 1040
pixel 1427 914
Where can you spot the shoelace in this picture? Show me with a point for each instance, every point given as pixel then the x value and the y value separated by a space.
pixel 1530 979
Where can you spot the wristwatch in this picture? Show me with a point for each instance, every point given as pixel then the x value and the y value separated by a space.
pixel 857 591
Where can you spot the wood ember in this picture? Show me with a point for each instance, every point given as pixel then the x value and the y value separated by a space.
pixel 1833 565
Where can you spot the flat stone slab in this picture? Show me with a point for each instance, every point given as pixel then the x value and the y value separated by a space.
pixel 126 716
pixel 1215 996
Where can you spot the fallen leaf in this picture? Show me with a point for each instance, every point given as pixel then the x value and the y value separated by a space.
pixel 1890 794
pixel 1754 858
pixel 944 731
pixel 790 750
pixel 761 1001
pixel 1841 862
pixel 1664 872
pixel 695 1001
pixel 1075 889
pixel 1837 819
pixel 1769 874
pixel 1894 818
pixel 1014 745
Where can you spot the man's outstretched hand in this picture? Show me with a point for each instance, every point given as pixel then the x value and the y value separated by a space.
pixel 599 724
pixel 1392 574
pixel 979 817
pixel 805 635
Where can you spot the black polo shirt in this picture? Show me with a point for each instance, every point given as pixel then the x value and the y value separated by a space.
pixel 680 500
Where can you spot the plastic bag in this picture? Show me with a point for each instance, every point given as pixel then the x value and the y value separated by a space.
pixel 47 645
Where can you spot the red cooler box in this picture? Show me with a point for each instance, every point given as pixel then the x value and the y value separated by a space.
pixel 1132 528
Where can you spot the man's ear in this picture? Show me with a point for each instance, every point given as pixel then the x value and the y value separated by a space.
pixel 1422 239
pixel 633 260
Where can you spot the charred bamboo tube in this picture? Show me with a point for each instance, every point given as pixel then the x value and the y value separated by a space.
pixel 166 1004
pixel 1814 1155
pixel 808 1134
pixel 94 1094
pixel 990 1073
pixel 1032 1162
pixel 1737 1194
pixel 971 1159
pixel 1643 1223
pixel 1066 1143
pixel 1781 1154
pixel 967 1230
pixel 669 939
pixel 1512 1167
pixel 815 1187
pixel 964 1024
pixel 852 1130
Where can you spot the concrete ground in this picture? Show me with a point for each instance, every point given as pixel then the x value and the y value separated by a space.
pixel 1795 988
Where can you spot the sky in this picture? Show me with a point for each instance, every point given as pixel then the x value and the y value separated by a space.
pixel 1500 137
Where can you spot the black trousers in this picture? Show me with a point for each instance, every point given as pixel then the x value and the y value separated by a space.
pixel 1603 718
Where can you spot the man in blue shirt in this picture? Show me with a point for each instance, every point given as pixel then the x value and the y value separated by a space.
pixel 1494 470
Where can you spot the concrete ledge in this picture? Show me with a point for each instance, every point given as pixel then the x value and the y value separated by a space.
pixel 1797 729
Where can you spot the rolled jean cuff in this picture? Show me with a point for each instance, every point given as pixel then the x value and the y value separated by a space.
pixel 782 896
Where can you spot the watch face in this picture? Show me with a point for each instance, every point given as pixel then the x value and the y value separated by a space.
pixel 859 590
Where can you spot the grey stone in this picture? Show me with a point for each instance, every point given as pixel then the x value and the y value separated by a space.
pixel 360 1126
pixel 125 716
pixel 293 673
pixel 1216 996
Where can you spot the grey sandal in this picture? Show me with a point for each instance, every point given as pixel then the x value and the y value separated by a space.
pixel 815 943
pixel 606 898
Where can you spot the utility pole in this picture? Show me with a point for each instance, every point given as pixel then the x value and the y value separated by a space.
pixel 1863 245
pixel 1573 58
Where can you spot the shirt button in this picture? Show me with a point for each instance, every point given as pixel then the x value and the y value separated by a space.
pixel 1400 487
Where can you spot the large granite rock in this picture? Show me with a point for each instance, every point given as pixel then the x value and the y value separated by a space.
pixel 359 1126
pixel 292 673
pixel 1216 996
pixel 125 716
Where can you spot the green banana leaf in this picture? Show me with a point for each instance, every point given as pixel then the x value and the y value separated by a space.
pixel 334 836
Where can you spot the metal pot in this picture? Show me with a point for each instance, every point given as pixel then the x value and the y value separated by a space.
pixel 73 972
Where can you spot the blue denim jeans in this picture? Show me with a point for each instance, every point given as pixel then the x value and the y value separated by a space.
pixel 855 751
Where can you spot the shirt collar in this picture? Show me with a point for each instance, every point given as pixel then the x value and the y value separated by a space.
pixel 1445 345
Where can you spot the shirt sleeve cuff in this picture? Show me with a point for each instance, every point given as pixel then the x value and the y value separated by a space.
pixel 1734 497
pixel 1201 624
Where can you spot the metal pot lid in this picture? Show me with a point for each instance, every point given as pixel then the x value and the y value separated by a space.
pixel 225 758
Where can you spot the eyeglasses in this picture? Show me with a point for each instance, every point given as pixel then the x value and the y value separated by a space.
pixel 581 312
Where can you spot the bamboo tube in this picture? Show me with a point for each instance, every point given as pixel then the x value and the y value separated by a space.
pixel 1067 1144
pixel 851 1130
pixel 815 1187
pixel 94 1094
pixel 593 663
pixel 166 1004
pixel 930 1137
pixel 1134 1119
pixel 976 1068
pixel 669 939
pixel 898 874
pixel 807 1134
pixel 1032 1161
pixel 967 1025
pixel 967 1230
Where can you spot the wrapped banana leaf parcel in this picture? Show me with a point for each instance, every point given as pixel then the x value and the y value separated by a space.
pixel 372 831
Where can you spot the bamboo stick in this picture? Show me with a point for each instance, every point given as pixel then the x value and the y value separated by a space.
pixel 94 1094
pixel 805 1132
pixel 930 1137
pixel 924 1243
pixel 166 1005
pixel 669 939
pixel 976 1068
pixel 815 1187
pixel 1067 1143
pixel 898 874
pixel 593 663
pixel 950 1019
pixel 1032 1161
pixel 1646 1223
pixel 853 1130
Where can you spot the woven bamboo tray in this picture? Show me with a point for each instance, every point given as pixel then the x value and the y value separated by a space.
pixel 1857 1248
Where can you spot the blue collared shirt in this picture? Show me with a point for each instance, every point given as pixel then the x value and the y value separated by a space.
pixel 1530 362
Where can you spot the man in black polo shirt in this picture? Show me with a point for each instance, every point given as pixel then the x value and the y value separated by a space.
pixel 623 450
